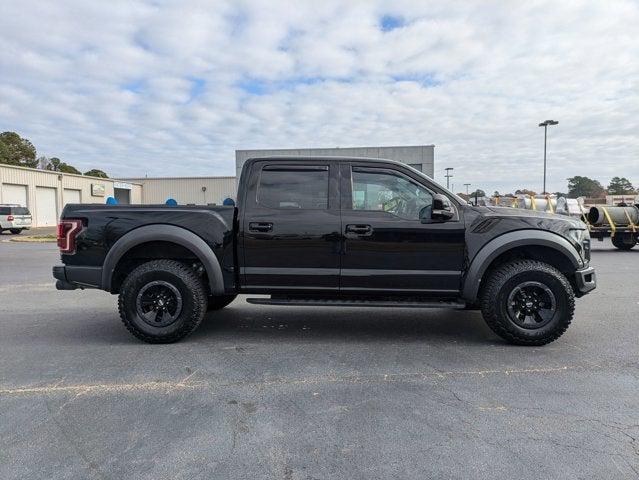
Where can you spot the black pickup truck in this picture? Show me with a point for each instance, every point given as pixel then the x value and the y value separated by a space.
pixel 329 231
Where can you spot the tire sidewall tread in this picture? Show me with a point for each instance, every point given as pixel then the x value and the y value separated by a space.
pixel 500 283
pixel 194 300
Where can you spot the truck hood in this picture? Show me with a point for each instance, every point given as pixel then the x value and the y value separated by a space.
pixel 560 224
pixel 520 212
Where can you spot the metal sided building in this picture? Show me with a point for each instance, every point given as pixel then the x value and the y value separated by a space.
pixel 185 190
pixel 420 157
pixel 45 193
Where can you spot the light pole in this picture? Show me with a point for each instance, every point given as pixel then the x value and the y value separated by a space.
pixel 467 185
pixel 545 125
pixel 448 176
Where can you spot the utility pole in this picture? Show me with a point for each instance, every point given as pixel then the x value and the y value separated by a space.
pixel 545 125
pixel 448 176
pixel 467 185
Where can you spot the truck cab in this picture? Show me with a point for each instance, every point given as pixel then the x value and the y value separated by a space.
pixel 348 227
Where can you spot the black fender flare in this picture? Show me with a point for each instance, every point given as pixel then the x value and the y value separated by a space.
pixel 164 233
pixel 508 241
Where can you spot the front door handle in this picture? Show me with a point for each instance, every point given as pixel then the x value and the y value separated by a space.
pixel 363 230
pixel 260 227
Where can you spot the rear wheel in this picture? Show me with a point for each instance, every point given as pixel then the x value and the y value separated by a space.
pixel 218 302
pixel 527 302
pixel 16 231
pixel 162 301
pixel 624 242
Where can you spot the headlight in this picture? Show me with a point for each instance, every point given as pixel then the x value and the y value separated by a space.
pixel 577 234
pixel 581 237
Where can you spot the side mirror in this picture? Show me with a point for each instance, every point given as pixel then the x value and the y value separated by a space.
pixel 442 209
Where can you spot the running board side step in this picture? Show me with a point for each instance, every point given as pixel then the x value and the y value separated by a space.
pixel 315 302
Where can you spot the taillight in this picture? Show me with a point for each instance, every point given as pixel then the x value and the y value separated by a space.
pixel 10 218
pixel 68 229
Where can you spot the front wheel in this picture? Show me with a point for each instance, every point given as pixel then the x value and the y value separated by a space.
pixel 527 302
pixel 16 231
pixel 162 301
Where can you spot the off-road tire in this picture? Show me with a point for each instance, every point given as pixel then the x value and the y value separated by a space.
pixel 504 280
pixel 218 302
pixel 185 280
pixel 622 244
pixel 16 231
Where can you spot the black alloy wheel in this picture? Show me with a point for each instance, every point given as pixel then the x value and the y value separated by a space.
pixel 531 305
pixel 159 303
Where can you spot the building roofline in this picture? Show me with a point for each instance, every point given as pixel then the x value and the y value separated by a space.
pixel 127 179
pixel 51 172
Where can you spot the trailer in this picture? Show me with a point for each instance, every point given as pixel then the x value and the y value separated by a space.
pixel 620 223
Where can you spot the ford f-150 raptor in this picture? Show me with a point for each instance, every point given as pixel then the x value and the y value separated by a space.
pixel 329 231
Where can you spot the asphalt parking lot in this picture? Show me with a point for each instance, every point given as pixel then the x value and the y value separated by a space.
pixel 313 393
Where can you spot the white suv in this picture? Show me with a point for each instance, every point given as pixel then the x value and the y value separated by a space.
pixel 14 218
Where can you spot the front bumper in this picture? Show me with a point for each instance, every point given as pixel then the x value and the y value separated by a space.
pixel 70 277
pixel 585 280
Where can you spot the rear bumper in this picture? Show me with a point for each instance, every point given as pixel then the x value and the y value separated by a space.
pixel 70 277
pixel 585 280
pixel 15 226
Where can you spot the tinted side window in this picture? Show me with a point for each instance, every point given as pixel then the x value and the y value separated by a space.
pixel 387 192
pixel 288 187
pixel 5 210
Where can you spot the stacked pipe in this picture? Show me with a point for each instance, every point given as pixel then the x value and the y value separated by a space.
pixel 573 207
pixel 619 216
pixel 543 203
pixel 506 201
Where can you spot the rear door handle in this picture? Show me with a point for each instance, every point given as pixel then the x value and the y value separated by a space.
pixel 260 227
pixel 363 230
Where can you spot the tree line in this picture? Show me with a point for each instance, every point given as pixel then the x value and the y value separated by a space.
pixel 578 186
pixel 18 151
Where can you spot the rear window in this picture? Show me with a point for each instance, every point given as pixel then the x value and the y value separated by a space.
pixel 294 187
pixel 20 211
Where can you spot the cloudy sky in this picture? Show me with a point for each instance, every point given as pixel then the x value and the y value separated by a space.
pixel 173 88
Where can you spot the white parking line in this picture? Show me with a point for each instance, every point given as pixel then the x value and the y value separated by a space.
pixel 27 286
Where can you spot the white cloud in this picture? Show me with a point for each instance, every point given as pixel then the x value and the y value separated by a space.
pixel 173 88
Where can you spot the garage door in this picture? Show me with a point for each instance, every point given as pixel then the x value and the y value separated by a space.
pixel 122 196
pixel 46 207
pixel 70 195
pixel 14 194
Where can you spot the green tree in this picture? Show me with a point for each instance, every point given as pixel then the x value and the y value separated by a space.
pixel 620 186
pixel 15 150
pixel 585 187
pixel 96 173
pixel 57 165
pixel 479 193
pixel 66 168
pixel 525 191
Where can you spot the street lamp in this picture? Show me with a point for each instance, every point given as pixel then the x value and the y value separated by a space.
pixel 448 176
pixel 467 185
pixel 545 125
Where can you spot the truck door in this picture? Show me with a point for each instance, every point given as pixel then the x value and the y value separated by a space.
pixel 290 230
pixel 386 246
